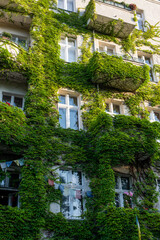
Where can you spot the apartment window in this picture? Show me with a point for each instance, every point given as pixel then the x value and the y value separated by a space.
pixel 68 49
pixel 66 5
pixel 9 188
pixel 72 188
pixel 106 48
pixel 123 191
pixel 21 41
pixel 140 21
pixel 113 108
pixel 154 116
pixel 14 100
pixel 69 111
pixel 147 60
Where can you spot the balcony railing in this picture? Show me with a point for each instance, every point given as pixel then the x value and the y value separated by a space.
pixel 120 5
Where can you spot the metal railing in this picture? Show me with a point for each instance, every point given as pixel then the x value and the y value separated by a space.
pixel 120 5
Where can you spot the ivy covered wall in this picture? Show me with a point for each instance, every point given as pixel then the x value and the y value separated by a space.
pixel 108 142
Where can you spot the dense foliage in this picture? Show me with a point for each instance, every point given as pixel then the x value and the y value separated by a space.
pixel 107 142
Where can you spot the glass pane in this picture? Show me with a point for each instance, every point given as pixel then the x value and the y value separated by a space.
pixel 62 118
pixel 70 6
pixel 74 119
pixel 65 208
pixel 147 60
pixel 71 55
pixel 22 42
pixel 109 51
pixel 62 53
pixel 77 178
pixel 127 201
pixel 14 199
pixel 77 204
pixel 18 102
pixel 73 101
pixel 61 4
pixel 6 99
pixel 125 183
pixel 157 116
pixel 64 176
pixel 14 180
pixel 151 75
pixel 158 182
pixel 116 181
pixel 116 109
pixel 140 24
pixel 117 200
pixel 62 99
pixel 107 107
pixel 139 15
pixel 71 42
pixel 4 197
pixel 63 40
pixel 2 183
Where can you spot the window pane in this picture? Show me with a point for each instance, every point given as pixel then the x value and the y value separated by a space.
pixel 71 55
pixel 117 202
pixel 70 6
pixel 6 99
pixel 127 201
pixel 116 109
pixel 63 40
pixel 147 60
pixel 62 53
pixel 62 99
pixel 151 75
pixel 101 49
pixel 18 102
pixel 158 182
pixel 116 181
pixel 125 183
pixel 107 107
pixel 157 116
pixel 77 178
pixel 62 118
pixel 14 180
pixel 109 51
pixel 64 176
pixel 22 42
pixel 61 4
pixel 140 24
pixel 73 101
pixel 65 207
pixel 74 119
pixel 77 204
pixel 71 42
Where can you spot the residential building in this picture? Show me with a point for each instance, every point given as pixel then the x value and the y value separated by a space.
pixel 35 65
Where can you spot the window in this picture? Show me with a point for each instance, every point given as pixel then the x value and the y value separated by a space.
pixel 72 188
pixel 68 49
pixel 14 100
pixel 113 108
pixel 154 116
pixel 123 193
pixel 106 48
pixel 140 21
pixel 9 188
pixel 66 5
pixel 22 41
pixel 147 60
pixel 69 111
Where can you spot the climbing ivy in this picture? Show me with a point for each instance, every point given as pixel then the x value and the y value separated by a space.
pixel 107 142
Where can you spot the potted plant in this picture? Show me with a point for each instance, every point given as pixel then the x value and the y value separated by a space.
pixel 6 35
pixel 133 6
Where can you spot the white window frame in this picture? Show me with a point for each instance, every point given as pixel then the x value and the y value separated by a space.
pixel 106 46
pixel 65 5
pixel 69 107
pixel 141 19
pixel 111 107
pixel 12 95
pixel 121 191
pixel 66 47
pixel 71 186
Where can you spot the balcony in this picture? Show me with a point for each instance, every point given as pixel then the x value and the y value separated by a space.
pixel 111 19
pixel 114 73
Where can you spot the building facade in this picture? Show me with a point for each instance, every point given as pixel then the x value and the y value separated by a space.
pixel 79 113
